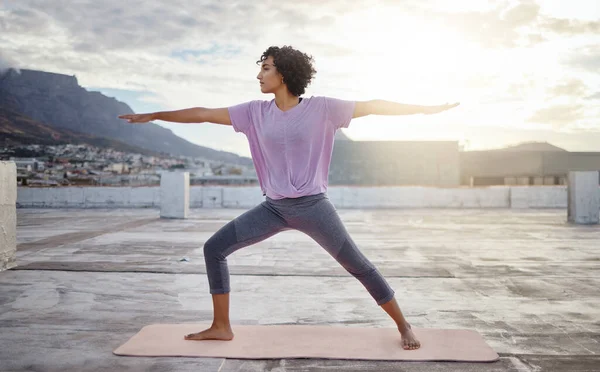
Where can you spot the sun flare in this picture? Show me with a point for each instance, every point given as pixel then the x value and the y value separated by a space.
pixel 406 60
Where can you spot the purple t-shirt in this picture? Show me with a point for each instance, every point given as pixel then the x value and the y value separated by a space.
pixel 292 150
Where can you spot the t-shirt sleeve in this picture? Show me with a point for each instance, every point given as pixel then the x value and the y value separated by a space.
pixel 241 116
pixel 339 111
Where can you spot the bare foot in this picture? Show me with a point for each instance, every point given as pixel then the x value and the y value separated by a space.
pixel 409 340
pixel 212 333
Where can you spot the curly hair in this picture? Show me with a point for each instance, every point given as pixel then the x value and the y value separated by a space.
pixel 296 67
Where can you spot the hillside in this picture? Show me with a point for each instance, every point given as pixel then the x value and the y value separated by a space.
pixel 532 146
pixel 18 129
pixel 60 103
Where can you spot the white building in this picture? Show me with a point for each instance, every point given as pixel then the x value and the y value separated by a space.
pixel 118 168
pixel 29 163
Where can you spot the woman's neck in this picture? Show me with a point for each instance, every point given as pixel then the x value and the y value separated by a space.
pixel 286 100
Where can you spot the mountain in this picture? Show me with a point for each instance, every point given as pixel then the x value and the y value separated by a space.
pixel 17 129
pixel 532 146
pixel 59 102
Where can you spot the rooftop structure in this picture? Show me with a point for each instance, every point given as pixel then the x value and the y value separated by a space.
pixel 87 280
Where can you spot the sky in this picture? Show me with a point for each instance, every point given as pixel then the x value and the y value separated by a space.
pixel 522 70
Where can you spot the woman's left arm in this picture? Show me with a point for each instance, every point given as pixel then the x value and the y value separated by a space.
pixel 381 107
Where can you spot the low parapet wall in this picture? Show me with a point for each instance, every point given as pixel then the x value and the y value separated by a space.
pixel 8 214
pixel 342 197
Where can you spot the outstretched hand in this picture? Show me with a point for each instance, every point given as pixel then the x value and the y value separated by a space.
pixel 137 118
pixel 437 109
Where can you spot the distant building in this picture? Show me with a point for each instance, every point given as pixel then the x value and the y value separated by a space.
pixel 200 171
pixel 117 168
pixel 525 164
pixel 390 163
pixel 341 136
pixel 32 164
pixel 440 163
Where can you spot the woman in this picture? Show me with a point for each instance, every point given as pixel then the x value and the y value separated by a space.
pixel 291 142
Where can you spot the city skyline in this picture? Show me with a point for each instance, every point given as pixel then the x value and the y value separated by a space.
pixel 523 70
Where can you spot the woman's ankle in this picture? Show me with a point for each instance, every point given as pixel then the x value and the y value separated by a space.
pixel 404 327
pixel 221 325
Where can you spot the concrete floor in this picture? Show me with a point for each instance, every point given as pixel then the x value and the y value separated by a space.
pixel 87 280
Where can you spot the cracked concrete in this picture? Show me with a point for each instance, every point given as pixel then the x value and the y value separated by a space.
pixel 87 280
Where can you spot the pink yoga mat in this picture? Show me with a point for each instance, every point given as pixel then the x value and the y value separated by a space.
pixel 304 341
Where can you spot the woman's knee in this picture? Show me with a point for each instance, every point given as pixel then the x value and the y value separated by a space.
pixel 352 259
pixel 211 248
pixel 216 246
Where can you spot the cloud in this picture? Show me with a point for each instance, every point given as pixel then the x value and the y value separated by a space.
pixel 585 58
pixel 24 20
pixel 7 63
pixel 507 26
pixel 534 39
pixel 143 25
pixel 594 96
pixel 502 27
pixel 573 87
pixel 134 25
pixel 559 115
pixel 96 36
pixel 570 27
pixel 522 14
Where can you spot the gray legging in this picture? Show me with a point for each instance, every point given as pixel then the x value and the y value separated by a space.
pixel 315 216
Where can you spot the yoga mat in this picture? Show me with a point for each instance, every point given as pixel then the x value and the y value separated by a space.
pixel 305 341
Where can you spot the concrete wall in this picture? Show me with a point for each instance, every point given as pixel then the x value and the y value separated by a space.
pixel 89 197
pixel 8 214
pixel 174 194
pixel 538 196
pixel 342 197
pixel 583 199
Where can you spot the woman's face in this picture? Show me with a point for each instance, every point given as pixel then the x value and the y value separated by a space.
pixel 270 80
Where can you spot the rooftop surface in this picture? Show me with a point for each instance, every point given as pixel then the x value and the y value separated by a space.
pixel 87 280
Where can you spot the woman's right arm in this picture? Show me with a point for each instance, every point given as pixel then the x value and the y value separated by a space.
pixel 191 115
